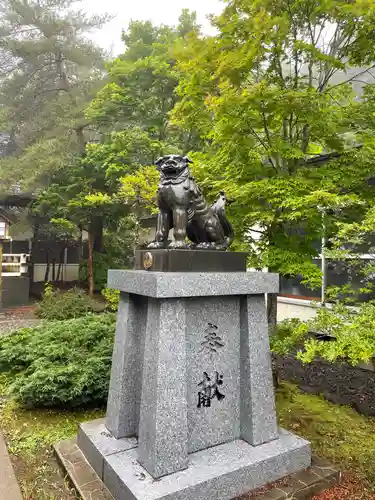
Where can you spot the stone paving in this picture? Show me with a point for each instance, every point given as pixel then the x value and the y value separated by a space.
pixel 9 487
pixel 14 319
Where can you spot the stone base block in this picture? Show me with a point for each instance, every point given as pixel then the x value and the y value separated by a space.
pixel 302 485
pixel 191 260
pixel 219 473
pixel 97 442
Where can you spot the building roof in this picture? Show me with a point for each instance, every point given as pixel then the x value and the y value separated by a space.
pixel 16 200
pixel 11 218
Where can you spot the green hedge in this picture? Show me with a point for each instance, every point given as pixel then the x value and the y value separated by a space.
pixel 61 363
pixel 352 333
pixel 112 298
pixel 61 305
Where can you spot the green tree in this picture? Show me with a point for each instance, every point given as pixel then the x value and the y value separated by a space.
pixel 142 82
pixel 131 115
pixel 266 95
pixel 49 71
pixel 90 192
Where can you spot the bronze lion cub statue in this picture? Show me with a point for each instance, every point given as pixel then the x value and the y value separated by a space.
pixel 183 207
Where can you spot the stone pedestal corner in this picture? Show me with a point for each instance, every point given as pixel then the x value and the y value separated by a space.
pixel 162 436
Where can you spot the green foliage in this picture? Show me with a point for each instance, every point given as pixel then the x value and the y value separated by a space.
pixel 87 189
pixel 107 176
pixel 142 83
pixel 112 298
pixel 337 433
pixel 352 329
pixel 287 335
pixel 350 322
pixel 120 153
pixel 141 187
pixel 30 434
pixel 88 195
pixel 63 363
pixel 48 74
pixel 62 305
pixel 265 95
pixel 119 240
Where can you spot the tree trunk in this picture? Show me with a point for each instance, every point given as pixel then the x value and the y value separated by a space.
pixel 46 275
pixel 81 140
pixel 65 85
pixel 1 274
pixel 53 270
pixel 61 258
pixel 271 312
pixel 32 252
pixel 272 304
pixel 272 323
pixel 97 234
pixel 90 264
pixel 59 267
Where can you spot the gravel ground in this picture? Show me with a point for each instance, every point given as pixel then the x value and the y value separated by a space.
pixel 14 319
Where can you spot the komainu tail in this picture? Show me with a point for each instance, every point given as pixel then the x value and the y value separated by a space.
pixel 219 208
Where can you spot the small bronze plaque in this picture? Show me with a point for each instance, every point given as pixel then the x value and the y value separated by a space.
pixel 147 260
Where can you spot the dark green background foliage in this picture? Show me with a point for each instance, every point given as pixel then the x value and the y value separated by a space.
pixel 102 263
pixel 117 252
pixel 62 363
pixel 61 305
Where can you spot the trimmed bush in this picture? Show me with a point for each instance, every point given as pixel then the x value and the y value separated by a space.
pixel 350 331
pixel 62 305
pixel 61 363
pixel 112 298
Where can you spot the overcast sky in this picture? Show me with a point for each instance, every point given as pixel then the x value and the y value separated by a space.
pixel 157 11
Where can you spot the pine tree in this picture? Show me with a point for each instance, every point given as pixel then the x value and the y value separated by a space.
pixel 49 71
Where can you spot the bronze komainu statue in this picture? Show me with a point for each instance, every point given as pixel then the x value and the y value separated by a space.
pixel 183 207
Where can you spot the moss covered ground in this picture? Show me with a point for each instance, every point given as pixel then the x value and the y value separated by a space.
pixel 335 432
pixel 30 435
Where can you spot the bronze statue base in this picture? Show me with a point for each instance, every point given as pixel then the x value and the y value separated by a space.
pixel 165 260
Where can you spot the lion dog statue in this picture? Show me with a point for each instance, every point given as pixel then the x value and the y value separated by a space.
pixel 183 207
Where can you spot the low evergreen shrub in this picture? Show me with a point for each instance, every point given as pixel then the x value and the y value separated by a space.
pixel 61 363
pixel 62 305
pixel 350 330
pixel 112 298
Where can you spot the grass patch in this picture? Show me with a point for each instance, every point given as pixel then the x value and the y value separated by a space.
pixel 30 435
pixel 336 432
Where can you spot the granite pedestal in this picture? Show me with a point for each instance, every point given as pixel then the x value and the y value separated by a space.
pixel 191 260
pixel 191 410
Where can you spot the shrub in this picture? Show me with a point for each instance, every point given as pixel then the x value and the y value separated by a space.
pixel 112 298
pixel 61 363
pixel 61 305
pixel 101 263
pixel 351 334
pixel 289 333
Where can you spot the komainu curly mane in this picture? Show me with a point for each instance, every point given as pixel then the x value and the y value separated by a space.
pixel 183 207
